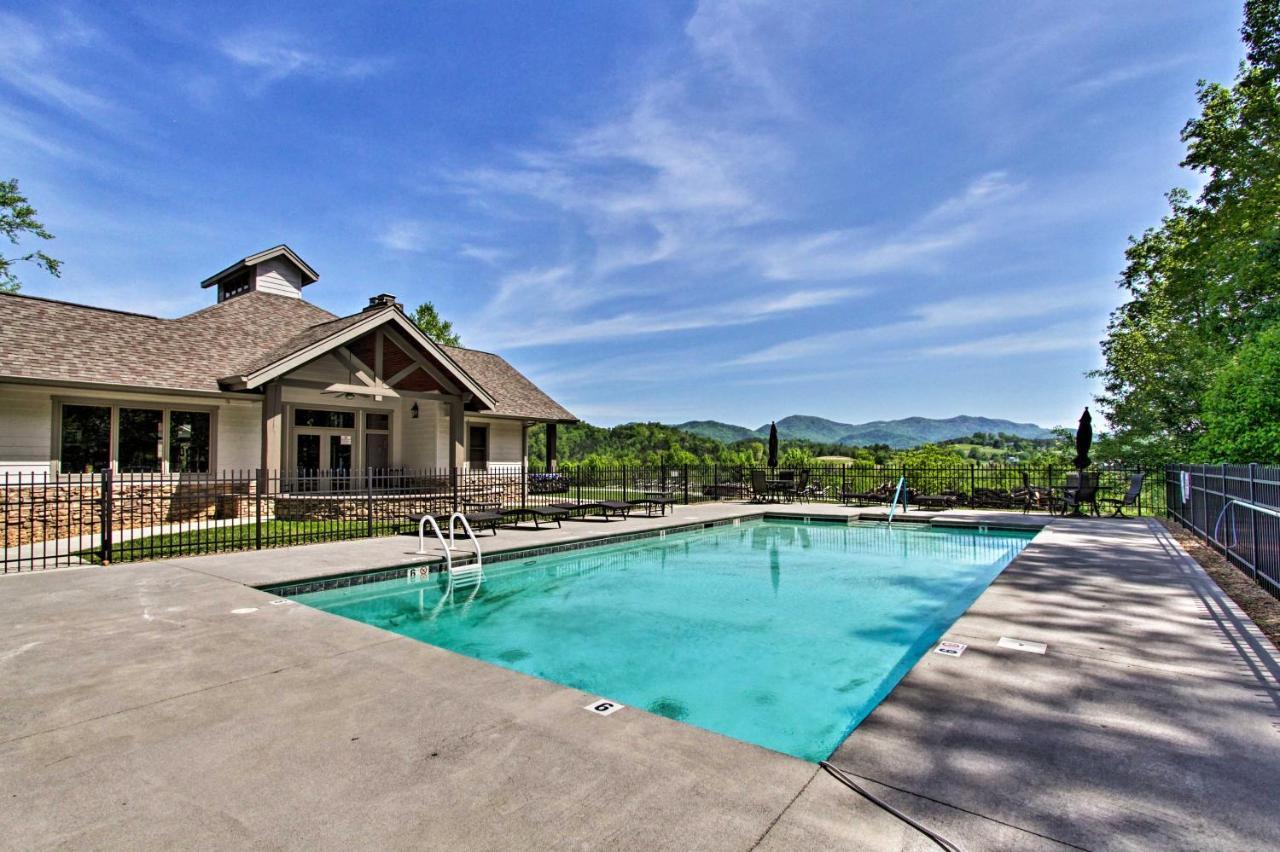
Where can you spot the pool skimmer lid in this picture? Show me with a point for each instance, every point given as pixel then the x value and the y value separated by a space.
pixel 603 707
pixel 1022 645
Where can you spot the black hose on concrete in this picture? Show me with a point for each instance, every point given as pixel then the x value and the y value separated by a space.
pixel 866 794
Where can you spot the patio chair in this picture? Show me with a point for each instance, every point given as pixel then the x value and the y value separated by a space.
pixel 760 490
pixel 1085 494
pixel 1130 497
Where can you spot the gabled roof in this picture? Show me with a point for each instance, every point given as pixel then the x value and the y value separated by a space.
pixel 45 340
pixel 309 275
pixel 320 339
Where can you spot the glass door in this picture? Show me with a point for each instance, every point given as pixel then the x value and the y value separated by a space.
pixel 340 461
pixel 307 461
pixel 323 460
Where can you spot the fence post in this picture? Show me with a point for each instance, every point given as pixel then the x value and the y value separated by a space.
pixel 104 554
pixel 259 487
pixel 455 476
pixel 368 487
pixel 686 485
pixel 973 484
pixel 1253 522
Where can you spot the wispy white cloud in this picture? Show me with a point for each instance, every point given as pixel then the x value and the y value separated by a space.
pixel 406 235
pixel 34 60
pixel 926 322
pixel 1126 74
pixel 851 253
pixel 1059 337
pixel 273 55
pixel 641 322
pixel 491 255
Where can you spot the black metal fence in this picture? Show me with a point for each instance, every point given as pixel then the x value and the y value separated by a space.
pixel 1235 509
pixel 58 520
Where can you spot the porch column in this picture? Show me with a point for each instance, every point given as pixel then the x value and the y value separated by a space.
pixel 551 446
pixel 457 435
pixel 273 433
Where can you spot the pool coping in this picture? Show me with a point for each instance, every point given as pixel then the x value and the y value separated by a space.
pixel 347 579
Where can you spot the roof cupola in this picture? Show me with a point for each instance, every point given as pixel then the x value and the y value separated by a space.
pixel 277 271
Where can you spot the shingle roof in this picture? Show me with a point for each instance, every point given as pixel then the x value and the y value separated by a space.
pixel 61 341
pixel 516 395
pixel 48 340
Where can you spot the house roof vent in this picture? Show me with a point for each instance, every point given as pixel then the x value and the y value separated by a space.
pixel 384 300
pixel 277 270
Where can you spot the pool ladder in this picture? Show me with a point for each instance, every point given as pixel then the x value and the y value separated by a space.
pixel 469 575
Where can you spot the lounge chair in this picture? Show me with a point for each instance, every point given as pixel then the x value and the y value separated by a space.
pixel 481 520
pixel 653 502
pixel 879 494
pixel 537 514
pixel 604 508
pixel 1130 497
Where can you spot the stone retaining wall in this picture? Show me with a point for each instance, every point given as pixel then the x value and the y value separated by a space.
pixel 59 510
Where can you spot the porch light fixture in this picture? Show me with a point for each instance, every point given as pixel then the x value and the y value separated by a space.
pixel 413 411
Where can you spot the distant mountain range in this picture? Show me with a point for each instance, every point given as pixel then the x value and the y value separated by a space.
pixel 908 432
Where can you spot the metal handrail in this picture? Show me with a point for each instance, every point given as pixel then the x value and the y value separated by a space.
pixel 422 540
pixel 894 505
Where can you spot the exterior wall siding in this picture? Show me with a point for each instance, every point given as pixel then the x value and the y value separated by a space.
pixel 26 429
pixel 27 414
pixel 280 277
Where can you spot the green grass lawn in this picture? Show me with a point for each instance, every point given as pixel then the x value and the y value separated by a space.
pixel 241 537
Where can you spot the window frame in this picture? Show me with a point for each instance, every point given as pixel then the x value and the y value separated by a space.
pixel 358 431
pixel 488 444
pixel 166 408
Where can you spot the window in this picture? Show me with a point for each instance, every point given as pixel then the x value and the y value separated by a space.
pixel 141 440
pixel 478 446
pixel 134 440
pixel 320 418
pixel 377 440
pixel 188 442
pixel 86 438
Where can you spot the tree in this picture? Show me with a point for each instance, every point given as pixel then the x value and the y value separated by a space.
pixel 18 218
pixel 1207 279
pixel 426 318
pixel 1242 406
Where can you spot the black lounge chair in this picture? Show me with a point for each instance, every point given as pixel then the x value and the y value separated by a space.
pixel 483 520
pixel 537 514
pixel 880 494
pixel 654 502
pixel 1130 497
pixel 617 507
pixel 603 508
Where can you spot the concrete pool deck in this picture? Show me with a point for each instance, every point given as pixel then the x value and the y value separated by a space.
pixel 138 710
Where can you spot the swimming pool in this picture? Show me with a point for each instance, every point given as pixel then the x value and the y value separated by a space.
pixel 780 633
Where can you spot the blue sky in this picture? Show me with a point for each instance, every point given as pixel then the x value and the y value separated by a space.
pixel 658 211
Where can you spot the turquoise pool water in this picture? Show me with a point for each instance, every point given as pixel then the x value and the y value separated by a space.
pixel 783 634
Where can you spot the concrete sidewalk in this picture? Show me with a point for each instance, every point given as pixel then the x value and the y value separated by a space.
pixel 138 709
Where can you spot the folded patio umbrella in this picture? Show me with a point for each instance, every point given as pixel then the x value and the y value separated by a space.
pixel 773 445
pixel 1084 440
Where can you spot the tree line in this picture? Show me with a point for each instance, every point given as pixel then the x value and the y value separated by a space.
pixel 1192 359
pixel 656 444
